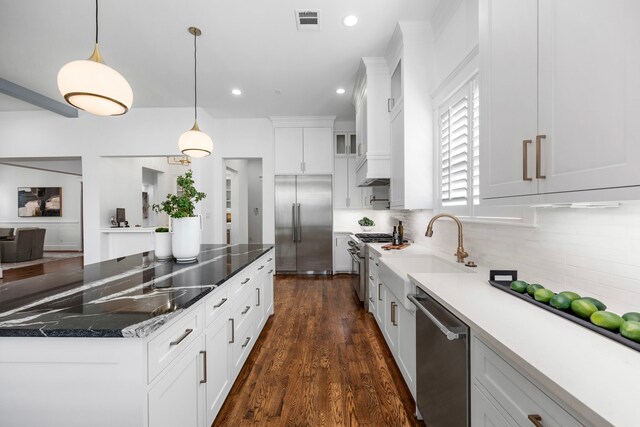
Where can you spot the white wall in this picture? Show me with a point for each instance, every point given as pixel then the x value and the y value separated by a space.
pixel 63 233
pixel 239 199
pixel 254 193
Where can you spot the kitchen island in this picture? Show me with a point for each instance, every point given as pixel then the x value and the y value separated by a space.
pixel 132 341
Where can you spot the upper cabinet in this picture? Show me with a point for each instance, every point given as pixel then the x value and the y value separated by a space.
pixel 303 145
pixel 370 96
pixel 346 193
pixel 559 100
pixel 410 114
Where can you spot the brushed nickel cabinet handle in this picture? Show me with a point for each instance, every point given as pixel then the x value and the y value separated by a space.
pixel 371 277
pixel 379 291
pixel 539 139
pixel 245 280
pixel 394 313
pixel 233 332
pixel 270 271
pixel 371 299
pixel 261 267
pixel 371 258
pixel 246 310
pixel 535 419
pixel 270 259
pixel 525 160
pixel 377 265
pixel 246 342
pixel 222 301
pixel 182 337
pixel 204 364
pixel 390 104
pixel 258 303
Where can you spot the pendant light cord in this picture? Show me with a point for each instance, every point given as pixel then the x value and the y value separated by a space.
pixel 96 21
pixel 195 75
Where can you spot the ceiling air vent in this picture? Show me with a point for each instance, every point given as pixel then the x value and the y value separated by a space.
pixel 308 20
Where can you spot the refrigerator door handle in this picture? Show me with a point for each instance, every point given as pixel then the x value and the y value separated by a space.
pixel 298 222
pixel 294 221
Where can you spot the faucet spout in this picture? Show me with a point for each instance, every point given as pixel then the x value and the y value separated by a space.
pixel 460 252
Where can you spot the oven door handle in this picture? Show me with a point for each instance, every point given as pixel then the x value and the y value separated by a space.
pixel 451 335
pixel 354 257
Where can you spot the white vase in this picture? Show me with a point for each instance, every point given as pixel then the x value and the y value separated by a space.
pixel 186 238
pixel 367 228
pixel 163 245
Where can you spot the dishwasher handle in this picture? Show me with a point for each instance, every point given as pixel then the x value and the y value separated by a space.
pixel 451 335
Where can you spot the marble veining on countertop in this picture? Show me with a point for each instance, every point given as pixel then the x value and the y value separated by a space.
pixel 131 296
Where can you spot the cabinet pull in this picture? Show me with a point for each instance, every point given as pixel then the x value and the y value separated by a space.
pixel 222 301
pixel 261 267
pixel 371 258
pixel 377 265
pixel 390 103
pixel 270 271
pixel 182 337
pixel 525 160
pixel 270 259
pixel 535 419
pixel 233 331
pixel 371 299
pixel 539 139
pixel 379 291
pixel 393 313
pixel 246 342
pixel 258 303
pixel 204 366
pixel 246 310
pixel 245 280
pixel 371 278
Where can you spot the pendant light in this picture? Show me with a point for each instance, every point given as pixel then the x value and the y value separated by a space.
pixel 194 142
pixel 94 87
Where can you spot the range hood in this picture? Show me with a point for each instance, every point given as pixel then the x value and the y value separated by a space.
pixel 375 182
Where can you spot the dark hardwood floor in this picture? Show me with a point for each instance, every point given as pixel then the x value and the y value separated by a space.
pixel 320 361
pixel 39 269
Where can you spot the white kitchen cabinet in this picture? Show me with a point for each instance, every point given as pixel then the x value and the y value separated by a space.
pixel 483 413
pixel 410 117
pixel 268 291
pixel 391 320
pixel 342 262
pixel 514 395
pixel 406 358
pixel 303 145
pixel 218 350
pixel 260 286
pixel 548 78
pixel 177 399
pixel 345 144
pixel 346 193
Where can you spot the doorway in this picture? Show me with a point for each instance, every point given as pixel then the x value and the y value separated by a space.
pixel 243 201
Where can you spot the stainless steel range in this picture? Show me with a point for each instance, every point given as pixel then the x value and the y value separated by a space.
pixel 359 252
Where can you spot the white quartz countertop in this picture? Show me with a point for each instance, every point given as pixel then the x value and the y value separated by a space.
pixel 599 378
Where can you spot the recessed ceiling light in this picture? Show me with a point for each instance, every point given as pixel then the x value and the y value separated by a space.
pixel 350 20
pixel 340 91
pixel 236 92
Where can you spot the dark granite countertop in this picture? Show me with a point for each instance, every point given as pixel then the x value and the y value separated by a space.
pixel 126 297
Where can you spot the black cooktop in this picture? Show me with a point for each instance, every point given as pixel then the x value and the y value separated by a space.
pixel 374 237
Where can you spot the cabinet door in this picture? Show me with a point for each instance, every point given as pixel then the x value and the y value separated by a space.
pixel 396 188
pixel 261 308
pixel 318 155
pixel 362 132
pixel 379 298
pixel 288 151
pixel 407 347
pixel 341 258
pixel 340 183
pixel 218 382
pixel 177 399
pixel 354 192
pixel 483 413
pixel 340 144
pixel 268 289
pixel 391 320
pixel 589 94
pixel 508 96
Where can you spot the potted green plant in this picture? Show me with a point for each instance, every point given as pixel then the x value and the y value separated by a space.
pixel 366 224
pixel 163 243
pixel 185 225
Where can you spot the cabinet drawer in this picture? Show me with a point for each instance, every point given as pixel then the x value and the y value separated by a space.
pixel 215 304
pixel 513 392
pixel 243 309
pixel 244 339
pixel 164 348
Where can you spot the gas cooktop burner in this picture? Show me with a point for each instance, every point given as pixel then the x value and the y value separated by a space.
pixel 374 237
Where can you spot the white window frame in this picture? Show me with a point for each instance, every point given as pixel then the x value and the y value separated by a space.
pixel 462 76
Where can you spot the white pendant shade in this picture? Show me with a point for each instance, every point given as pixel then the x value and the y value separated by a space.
pixel 94 87
pixel 195 143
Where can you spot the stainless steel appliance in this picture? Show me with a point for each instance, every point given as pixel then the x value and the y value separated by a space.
pixel 304 224
pixel 442 368
pixel 360 255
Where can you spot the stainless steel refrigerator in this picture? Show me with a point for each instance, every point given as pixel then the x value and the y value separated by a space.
pixel 304 224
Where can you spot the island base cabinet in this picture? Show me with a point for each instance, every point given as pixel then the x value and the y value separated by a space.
pixel 407 347
pixel 177 399
pixel 218 383
pixel 483 413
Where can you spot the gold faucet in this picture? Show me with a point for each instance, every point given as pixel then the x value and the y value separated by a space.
pixel 460 253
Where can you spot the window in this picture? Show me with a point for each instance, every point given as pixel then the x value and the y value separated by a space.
pixel 459 119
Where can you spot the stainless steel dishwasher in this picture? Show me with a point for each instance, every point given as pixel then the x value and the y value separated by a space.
pixel 442 364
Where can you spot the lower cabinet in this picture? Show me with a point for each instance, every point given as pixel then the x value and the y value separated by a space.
pixel 178 398
pixel 218 340
pixel 483 413
pixel 342 262
pixel 391 320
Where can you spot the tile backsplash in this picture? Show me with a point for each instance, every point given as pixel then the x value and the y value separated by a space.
pixel 593 251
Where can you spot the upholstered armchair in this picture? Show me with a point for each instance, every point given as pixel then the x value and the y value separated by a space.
pixel 27 245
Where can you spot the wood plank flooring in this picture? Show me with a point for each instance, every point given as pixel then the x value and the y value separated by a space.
pixel 320 361
pixel 40 269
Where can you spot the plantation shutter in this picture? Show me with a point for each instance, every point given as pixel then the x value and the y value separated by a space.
pixel 475 132
pixel 454 144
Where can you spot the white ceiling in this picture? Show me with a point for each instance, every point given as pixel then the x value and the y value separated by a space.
pixel 249 44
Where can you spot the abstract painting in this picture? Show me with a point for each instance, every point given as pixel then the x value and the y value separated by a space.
pixel 39 201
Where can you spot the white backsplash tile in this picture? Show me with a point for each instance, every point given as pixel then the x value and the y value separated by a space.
pixel 594 251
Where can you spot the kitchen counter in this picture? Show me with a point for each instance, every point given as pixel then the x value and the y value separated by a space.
pixel 594 375
pixel 131 296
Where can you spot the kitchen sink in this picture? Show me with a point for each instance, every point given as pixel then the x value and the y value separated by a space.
pixel 393 273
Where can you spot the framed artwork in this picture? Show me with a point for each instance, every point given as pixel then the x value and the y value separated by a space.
pixel 39 201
